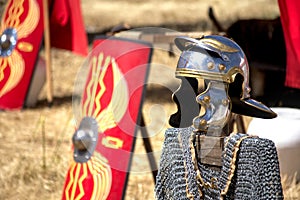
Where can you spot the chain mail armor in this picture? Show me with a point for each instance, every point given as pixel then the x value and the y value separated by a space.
pixel 250 169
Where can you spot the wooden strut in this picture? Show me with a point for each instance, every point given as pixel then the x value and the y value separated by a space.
pixel 209 149
pixel 47 52
pixel 212 158
pixel 240 123
pixel 148 148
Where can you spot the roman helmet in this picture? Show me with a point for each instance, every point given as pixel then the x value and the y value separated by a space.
pixel 223 65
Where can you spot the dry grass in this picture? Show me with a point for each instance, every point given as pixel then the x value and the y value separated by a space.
pixel 159 13
pixel 291 187
pixel 35 144
pixel 34 154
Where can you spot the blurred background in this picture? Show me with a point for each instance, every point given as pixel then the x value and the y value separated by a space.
pixel 35 143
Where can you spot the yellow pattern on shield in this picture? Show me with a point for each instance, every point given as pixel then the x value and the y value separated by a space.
pixel 113 113
pixel 101 173
pixel 15 61
pixel 107 118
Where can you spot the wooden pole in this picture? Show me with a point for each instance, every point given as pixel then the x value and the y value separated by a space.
pixel 148 149
pixel 47 52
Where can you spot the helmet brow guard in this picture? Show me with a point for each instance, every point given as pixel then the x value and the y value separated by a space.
pixel 218 58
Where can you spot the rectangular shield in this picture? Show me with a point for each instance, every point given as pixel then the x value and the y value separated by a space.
pixel 21 31
pixel 117 71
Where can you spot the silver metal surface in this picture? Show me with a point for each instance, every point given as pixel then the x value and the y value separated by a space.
pixel 218 58
pixel 216 105
pixel 8 42
pixel 85 139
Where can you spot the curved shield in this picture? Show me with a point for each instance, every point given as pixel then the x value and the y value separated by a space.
pixel 21 33
pixel 107 98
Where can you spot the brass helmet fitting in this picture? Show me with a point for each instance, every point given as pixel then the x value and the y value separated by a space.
pixel 218 58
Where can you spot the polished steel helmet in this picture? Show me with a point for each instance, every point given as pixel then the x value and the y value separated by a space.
pixel 218 58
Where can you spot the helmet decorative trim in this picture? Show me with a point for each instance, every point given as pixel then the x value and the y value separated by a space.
pixel 223 65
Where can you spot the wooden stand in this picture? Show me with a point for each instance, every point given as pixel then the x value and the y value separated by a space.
pixel 148 148
pixel 48 52
pixel 209 148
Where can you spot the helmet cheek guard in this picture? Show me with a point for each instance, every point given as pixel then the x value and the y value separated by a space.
pixel 223 65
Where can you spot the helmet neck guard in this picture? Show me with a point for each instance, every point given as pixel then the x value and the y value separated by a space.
pixel 224 67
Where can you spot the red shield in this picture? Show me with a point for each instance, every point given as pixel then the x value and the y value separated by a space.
pixel 17 66
pixel 112 95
